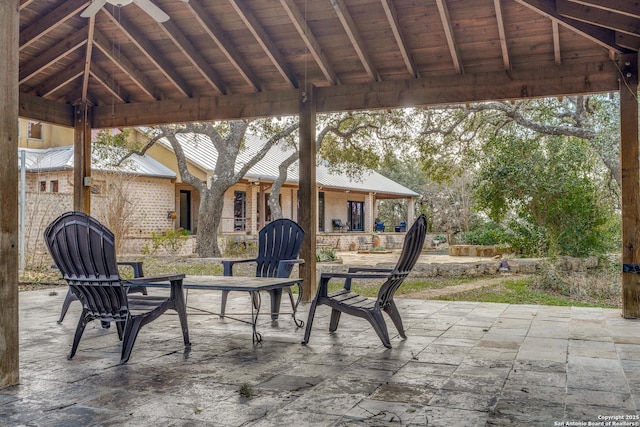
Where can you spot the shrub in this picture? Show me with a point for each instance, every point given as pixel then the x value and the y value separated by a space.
pixel 326 255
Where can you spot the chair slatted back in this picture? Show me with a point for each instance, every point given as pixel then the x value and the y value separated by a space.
pixel 279 240
pixel 413 242
pixel 84 251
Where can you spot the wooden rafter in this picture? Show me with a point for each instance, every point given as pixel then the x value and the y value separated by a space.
pixel 192 54
pixel 604 18
pixel 54 54
pixel 151 52
pixel 25 3
pixel 603 36
pixel 624 7
pixel 209 25
pixel 356 41
pixel 557 55
pixel 443 10
pixel 497 4
pixel 310 41
pixel 627 41
pixel 87 59
pixel 109 83
pixel 265 42
pixel 51 21
pixel 392 17
pixel 61 79
pixel 127 67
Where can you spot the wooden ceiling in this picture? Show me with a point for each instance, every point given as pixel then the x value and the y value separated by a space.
pixel 242 58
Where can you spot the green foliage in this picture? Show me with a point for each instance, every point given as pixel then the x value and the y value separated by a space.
pixel 236 247
pixel 488 233
pixel 171 240
pixel 546 183
pixel 326 255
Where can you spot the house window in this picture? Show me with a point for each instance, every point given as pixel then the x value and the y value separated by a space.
pixel 239 210
pixel 356 215
pixel 53 186
pixel 34 130
pixel 42 186
pixel 321 211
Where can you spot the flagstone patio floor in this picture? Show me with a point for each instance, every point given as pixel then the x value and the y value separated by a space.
pixel 462 364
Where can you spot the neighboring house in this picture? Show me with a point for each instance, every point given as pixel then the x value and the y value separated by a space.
pixel 145 194
pixel 351 201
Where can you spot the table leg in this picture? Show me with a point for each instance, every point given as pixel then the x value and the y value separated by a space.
pixel 177 296
pixel 255 311
pixel 299 323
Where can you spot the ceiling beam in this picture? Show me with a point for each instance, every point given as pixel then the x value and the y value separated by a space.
pixel 208 24
pixel 394 22
pixel 109 83
pixel 87 59
pixel 51 21
pixel 506 61
pixel 550 81
pixel 61 79
pixel 356 41
pixel 448 31
pixel 54 54
pixel 44 110
pixel 150 52
pixel 627 41
pixel 602 36
pixel 299 21
pixel 600 17
pixel 624 7
pixel 265 42
pixel 127 67
pixel 25 3
pixel 192 54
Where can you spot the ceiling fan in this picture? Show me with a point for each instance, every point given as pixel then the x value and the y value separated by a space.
pixel 152 10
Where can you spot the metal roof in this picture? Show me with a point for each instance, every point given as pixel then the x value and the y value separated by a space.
pixel 61 158
pixel 201 152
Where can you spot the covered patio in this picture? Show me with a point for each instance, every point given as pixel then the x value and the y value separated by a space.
pixel 463 364
pixel 231 59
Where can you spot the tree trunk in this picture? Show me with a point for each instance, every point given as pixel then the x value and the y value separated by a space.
pixel 209 218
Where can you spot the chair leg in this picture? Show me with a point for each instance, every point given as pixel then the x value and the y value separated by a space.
pixel 68 299
pixel 393 312
pixel 120 328
pixel 82 323
pixel 223 304
pixel 312 312
pixel 131 329
pixel 335 319
pixel 377 321
pixel 276 297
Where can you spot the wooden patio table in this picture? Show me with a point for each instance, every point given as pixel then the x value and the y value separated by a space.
pixel 253 285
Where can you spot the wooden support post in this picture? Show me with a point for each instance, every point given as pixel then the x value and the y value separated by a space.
pixel 307 193
pixel 82 159
pixel 9 350
pixel 630 166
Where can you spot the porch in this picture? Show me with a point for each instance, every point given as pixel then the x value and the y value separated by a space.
pixel 463 364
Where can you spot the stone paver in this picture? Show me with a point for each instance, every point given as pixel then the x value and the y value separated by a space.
pixel 463 364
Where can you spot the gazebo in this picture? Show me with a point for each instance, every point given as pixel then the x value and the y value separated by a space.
pixel 236 59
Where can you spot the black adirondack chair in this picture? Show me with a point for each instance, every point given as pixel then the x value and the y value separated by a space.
pixel 279 244
pixel 83 249
pixel 345 301
pixel 137 272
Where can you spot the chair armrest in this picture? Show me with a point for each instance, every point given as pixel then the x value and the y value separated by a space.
pixel 326 277
pixel 228 264
pixel 369 269
pixel 284 263
pixel 154 279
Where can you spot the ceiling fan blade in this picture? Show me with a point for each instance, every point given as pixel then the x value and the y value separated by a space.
pixel 154 11
pixel 93 8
